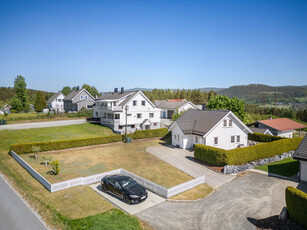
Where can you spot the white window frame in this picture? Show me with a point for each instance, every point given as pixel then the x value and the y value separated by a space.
pixel 151 115
pixel 225 123
pixel 217 140
pixel 232 139
pixel 137 116
pixel 238 138
pixel 144 102
pixel 230 123
pixel 135 103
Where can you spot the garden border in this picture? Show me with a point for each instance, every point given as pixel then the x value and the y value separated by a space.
pixel 162 191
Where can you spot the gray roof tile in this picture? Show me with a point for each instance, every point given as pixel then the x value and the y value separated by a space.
pixel 171 104
pixel 200 121
pixel 72 94
pixel 113 96
pixel 301 151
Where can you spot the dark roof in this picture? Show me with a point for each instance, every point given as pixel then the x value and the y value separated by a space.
pixel 199 122
pixel 72 94
pixel 128 98
pixel 171 104
pixel 258 130
pixel 53 97
pixel 113 96
pixel 282 124
pixel 301 151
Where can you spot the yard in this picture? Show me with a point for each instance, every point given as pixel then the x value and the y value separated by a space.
pixel 286 167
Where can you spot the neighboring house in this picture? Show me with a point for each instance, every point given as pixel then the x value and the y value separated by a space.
pixel 114 108
pixel 301 155
pixel 263 131
pixel 56 102
pixel 217 128
pixel 169 106
pixel 77 99
pixel 282 127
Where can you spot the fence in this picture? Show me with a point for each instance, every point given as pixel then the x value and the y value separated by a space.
pixel 164 192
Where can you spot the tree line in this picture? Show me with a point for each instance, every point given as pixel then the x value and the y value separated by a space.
pixel 196 96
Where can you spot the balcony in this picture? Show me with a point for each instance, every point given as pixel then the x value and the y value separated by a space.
pixel 110 121
pixel 111 108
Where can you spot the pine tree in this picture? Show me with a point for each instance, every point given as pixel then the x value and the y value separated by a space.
pixel 20 101
pixel 40 102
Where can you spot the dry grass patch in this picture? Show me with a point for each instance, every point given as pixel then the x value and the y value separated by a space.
pixel 88 161
pixel 198 192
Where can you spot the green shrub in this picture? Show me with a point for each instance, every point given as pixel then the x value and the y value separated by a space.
pixel 211 155
pixel 221 157
pixel 56 145
pixel 263 137
pixel 149 133
pixel 55 165
pixel 296 202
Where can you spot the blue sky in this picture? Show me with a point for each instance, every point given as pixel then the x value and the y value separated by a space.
pixel 153 44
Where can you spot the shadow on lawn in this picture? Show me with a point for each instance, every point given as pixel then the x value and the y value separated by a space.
pixel 287 169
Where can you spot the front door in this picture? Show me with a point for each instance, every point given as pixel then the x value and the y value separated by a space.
pixel 147 126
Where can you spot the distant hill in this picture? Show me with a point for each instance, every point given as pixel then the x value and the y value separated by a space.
pixel 254 92
pixel 7 93
pixel 151 89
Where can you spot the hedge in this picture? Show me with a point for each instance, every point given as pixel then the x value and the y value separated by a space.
pixel 296 202
pixel 263 137
pixel 66 144
pixel 221 157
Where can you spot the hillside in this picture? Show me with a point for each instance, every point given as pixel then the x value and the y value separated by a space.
pixel 254 93
pixel 7 93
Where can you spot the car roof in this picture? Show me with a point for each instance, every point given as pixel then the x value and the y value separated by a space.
pixel 119 177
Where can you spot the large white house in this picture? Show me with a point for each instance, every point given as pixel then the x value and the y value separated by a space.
pixel 134 109
pixel 169 106
pixel 56 102
pixel 217 128
pixel 301 155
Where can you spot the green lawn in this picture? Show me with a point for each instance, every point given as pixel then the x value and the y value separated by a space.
pixel 8 137
pixel 286 167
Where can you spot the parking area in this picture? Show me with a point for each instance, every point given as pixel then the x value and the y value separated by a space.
pixel 152 200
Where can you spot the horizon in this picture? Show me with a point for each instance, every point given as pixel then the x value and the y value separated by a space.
pixel 153 44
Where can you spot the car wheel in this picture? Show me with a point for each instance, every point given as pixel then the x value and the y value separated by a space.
pixel 126 200
pixel 103 187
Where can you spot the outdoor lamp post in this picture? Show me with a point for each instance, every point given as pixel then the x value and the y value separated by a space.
pixel 127 108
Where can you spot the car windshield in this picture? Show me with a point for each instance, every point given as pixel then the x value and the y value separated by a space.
pixel 127 183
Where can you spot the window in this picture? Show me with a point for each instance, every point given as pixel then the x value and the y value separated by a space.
pixel 85 96
pixel 151 115
pixel 114 103
pixel 178 137
pixel 89 106
pixel 225 123
pixel 117 116
pixel 70 105
pixel 238 138
pixel 96 114
pixel 139 115
pixel 143 103
pixel 196 139
pixel 134 103
pixel 81 97
pixel 132 126
pixel 110 116
pixel 216 140
pixel 230 122
pixel 155 124
pixel 232 139
pixel 120 127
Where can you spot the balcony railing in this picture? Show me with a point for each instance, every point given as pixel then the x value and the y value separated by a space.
pixel 111 108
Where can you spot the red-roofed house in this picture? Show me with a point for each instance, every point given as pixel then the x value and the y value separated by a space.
pixel 282 127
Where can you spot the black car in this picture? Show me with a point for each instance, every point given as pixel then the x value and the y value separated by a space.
pixel 125 188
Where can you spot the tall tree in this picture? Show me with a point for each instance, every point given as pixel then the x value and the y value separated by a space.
pixel 20 101
pixel 223 102
pixel 40 102
pixel 66 90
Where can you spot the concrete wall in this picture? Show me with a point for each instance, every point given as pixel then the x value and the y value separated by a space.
pixel 303 171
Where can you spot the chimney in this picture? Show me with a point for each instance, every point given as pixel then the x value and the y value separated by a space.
pixel 78 88
pixel 122 90
pixel 115 90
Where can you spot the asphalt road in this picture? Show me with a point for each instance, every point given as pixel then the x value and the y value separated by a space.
pixel 33 125
pixel 14 213
pixel 235 205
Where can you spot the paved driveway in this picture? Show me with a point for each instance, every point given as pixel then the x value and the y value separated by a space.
pixel 32 125
pixel 182 159
pixel 14 214
pixel 234 205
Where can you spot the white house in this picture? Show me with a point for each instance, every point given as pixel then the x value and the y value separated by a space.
pixel 282 127
pixel 134 109
pixel 217 128
pixel 301 155
pixel 169 106
pixel 56 102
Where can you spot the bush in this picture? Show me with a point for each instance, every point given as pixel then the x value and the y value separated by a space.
pixel 149 133
pixel 296 202
pixel 263 137
pixel 221 157
pixel 55 167
pixel 56 145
